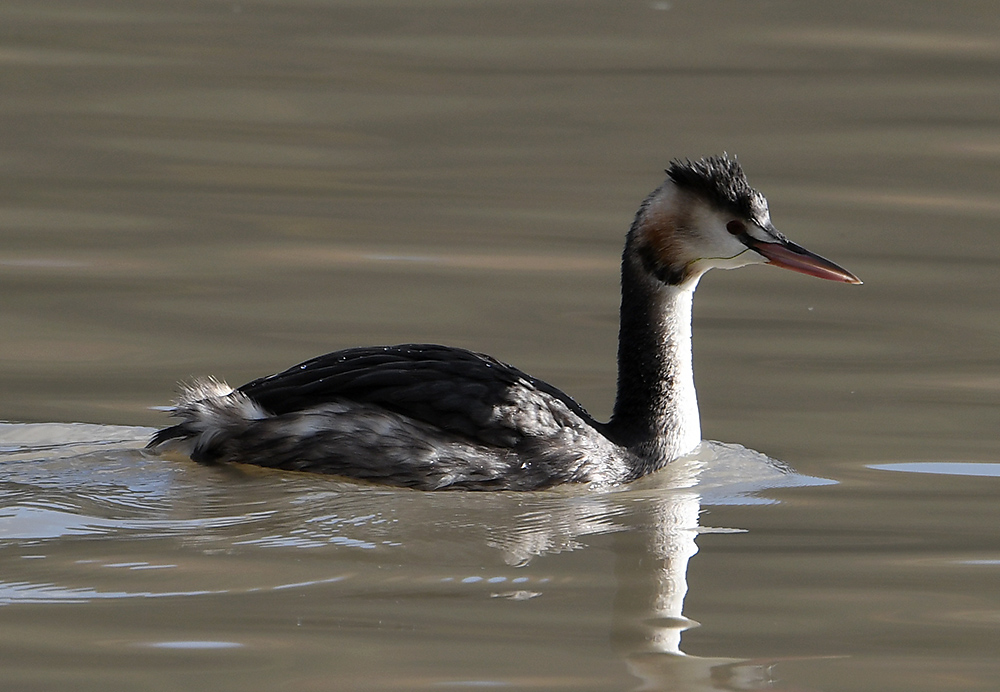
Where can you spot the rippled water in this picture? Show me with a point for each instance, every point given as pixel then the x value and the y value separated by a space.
pixel 90 519
pixel 194 188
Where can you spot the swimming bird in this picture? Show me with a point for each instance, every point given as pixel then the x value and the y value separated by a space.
pixel 435 417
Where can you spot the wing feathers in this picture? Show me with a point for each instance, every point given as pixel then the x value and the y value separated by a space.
pixel 457 390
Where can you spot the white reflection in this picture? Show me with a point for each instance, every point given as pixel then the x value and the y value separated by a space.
pixel 193 645
pixel 943 468
pixel 653 561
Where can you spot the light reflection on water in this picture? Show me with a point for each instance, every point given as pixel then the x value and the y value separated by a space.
pixel 944 468
pixel 193 645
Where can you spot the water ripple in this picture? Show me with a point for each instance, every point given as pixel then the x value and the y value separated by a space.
pixel 95 517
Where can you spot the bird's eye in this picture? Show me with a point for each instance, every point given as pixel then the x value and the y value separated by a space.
pixel 736 227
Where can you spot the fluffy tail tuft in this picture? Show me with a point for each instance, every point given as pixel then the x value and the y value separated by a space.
pixel 207 408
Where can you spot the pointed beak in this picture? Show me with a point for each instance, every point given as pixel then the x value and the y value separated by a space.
pixel 785 253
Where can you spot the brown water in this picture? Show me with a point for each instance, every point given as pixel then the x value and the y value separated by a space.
pixel 192 188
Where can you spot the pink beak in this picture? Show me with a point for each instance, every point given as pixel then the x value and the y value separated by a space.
pixel 785 253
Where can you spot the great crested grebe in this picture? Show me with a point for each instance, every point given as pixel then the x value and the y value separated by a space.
pixel 434 417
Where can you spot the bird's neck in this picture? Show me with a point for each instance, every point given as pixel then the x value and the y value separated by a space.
pixel 656 409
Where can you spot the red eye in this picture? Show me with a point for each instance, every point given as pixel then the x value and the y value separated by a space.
pixel 736 227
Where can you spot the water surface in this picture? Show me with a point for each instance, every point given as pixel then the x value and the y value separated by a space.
pixel 193 188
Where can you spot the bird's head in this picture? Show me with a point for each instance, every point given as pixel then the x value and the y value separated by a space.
pixel 706 215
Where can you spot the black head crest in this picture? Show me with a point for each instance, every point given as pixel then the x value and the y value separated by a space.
pixel 720 181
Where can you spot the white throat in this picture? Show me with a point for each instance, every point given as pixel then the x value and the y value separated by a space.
pixel 685 432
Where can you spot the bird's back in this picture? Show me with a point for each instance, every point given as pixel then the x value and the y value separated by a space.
pixel 418 415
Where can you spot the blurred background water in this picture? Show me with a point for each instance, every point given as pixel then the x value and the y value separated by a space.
pixel 193 187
